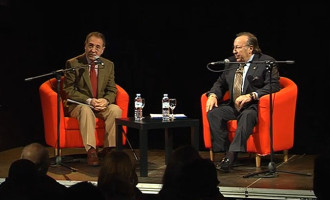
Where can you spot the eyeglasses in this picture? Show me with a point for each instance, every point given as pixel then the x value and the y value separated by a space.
pixel 236 48
pixel 97 47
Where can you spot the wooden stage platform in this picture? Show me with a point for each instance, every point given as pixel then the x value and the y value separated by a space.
pixel 292 181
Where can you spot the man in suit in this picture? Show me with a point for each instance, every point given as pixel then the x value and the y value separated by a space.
pixel 244 108
pixel 98 99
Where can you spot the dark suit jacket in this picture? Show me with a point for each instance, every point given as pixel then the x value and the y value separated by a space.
pixel 77 85
pixel 256 79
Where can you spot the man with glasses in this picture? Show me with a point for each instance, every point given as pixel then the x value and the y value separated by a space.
pixel 243 107
pixel 92 83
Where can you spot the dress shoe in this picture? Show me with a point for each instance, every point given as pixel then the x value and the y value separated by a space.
pixel 105 151
pixel 224 165
pixel 92 158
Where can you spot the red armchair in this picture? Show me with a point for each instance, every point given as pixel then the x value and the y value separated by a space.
pixel 284 108
pixel 69 129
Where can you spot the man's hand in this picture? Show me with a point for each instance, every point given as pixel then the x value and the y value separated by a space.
pixel 243 99
pixel 211 102
pixel 99 104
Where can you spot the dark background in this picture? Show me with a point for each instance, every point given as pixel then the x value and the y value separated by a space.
pixel 160 48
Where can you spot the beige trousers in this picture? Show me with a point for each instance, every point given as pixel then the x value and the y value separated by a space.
pixel 86 117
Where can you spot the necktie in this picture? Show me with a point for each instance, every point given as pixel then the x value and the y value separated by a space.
pixel 238 81
pixel 93 78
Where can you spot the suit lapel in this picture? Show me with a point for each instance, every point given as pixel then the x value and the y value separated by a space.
pixel 250 72
pixel 85 75
pixel 100 79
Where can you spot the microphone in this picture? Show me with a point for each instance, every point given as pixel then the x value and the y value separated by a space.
pixel 288 62
pixel 225 61
pixel 271 62
pixel 98 61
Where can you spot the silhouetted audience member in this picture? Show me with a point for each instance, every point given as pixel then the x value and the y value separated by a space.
pixel 179 157
pixel 188 177
pixel 321 176
pixel 117 177
pixel 84 191
pixel 22 181
pixel 39 155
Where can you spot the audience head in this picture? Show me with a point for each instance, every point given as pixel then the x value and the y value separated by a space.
pixel 118 162
pixel 38 154
pixel 189 176
pixel 117 177
pixel 184 154
pixel 22 171
pixel 321 175
pixel 179 157
pixel 22 181
pixel 198 180
pixel 84 190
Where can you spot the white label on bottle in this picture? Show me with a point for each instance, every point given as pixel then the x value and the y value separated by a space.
pixel 138 104
pixel 166 105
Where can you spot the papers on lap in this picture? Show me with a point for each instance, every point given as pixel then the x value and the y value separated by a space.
pixel 77 102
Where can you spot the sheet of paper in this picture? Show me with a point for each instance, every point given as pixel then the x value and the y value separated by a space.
pixel 175 115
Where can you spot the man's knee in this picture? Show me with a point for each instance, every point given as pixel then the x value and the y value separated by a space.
pixel 85 109
pixel 116 111
pixel 210 114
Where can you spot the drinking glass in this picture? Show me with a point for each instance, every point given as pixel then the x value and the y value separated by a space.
pixel 172 106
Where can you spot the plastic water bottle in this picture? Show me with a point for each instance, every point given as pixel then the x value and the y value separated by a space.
pixel 165 108
pixel 138 107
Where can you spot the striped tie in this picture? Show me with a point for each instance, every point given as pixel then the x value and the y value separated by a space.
pixel 238 81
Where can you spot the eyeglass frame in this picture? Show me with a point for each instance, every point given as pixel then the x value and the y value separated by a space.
pixel 236 48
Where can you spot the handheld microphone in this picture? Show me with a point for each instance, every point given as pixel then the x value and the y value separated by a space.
pixel 225 61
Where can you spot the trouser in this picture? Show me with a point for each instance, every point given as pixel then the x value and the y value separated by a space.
pixel 86 117
pixel 218 118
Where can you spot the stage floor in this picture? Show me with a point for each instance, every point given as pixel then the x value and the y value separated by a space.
pixel 294 178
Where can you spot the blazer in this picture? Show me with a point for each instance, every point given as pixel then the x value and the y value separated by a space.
pixel 256 79
pixel 77 85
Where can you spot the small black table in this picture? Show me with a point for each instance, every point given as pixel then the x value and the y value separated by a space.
pixel 150 123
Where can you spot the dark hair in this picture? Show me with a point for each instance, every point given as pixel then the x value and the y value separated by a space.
pixel 84 190
pixel 180 157
pixel 117 176
pixel 22 171
pixel 96 34
pixel 252 40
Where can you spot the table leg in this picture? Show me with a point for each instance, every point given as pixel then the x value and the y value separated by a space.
pixel 143 153
pixel 195 136
pixel 168 144
pixel 119 137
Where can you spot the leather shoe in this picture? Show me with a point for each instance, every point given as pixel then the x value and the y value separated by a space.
pixel 105 151
pixel 92 158
pixel 224 165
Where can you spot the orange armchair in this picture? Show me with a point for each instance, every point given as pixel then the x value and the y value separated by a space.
pixel 284 108
pixel 69 129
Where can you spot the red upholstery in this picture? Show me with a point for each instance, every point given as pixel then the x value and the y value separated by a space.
pixel 69 129
pixel 284 108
